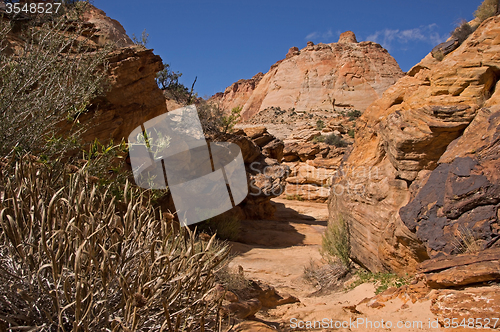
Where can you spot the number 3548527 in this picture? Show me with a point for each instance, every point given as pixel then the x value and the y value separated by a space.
pixel 33 8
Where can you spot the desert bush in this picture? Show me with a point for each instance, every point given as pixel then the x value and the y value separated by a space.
pixel 462 32
pixel 336 242
pixel 335 140
pixel 168 81
pixel 296 197
pixel 73 258
pixel 210 115
pixel 486 9
pixel 229 121
pixel 325 277
pixel 53 76
pixel 351 133
pixel 353 114
pixel 232 279
pixel 319 139
pixel 320 124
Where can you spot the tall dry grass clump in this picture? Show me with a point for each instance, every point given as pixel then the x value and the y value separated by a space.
pixel 72 258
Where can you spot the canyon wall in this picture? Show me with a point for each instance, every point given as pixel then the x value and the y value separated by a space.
pixel 424 167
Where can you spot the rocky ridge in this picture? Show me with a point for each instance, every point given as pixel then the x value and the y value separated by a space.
pixel 346 74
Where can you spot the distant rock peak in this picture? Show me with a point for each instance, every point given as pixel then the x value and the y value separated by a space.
pixel 347 37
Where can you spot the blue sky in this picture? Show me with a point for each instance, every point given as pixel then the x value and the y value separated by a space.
pixel 223 41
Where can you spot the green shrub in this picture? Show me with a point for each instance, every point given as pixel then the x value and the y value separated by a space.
pixel 351 133
pixel 486 9
pixel 354 114
pixel 462 32
pixel 336 242
pixel 319 139
pixel 73 258
pixel 381 280
pixel 229 121
pixel 335 140
pixel 320 124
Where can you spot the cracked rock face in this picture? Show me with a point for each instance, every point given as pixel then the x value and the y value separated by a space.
pixel 322 76
pixel 432 143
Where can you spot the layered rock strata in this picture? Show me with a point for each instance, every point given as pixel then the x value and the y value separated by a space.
pixel 425 161
pixel 346 74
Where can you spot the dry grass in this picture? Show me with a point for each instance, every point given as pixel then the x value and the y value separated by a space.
pixel 486 9
pixel 462 31
pixel 325 277
pixel 465 242
pixel 74 259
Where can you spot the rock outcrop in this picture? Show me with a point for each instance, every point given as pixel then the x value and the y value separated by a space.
pixel 425 161
pixel 133 97
pixel 323 76
pixel 237 93
pixel 107 29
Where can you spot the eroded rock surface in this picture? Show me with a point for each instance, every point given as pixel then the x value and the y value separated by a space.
pixel 322 76
pixel 431 141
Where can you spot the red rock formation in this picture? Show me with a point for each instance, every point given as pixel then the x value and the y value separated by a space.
pixel 344 74
pixel 133 97
pixel 237 93
pixel 431 140
pixel 107 28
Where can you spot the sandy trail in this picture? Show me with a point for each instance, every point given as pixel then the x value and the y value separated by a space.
pixel 276 252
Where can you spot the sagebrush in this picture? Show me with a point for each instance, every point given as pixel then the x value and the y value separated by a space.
pixel 336 242
pixel 52 75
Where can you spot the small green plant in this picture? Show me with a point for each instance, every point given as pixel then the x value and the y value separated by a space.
pixel 319 139
pixel 486 9
pixel 351 133
pixel 296 197
pixel 144 38
pixel 320 124
pixel 381 280
pixel 336 242
pixel 335 140
pixel 229 121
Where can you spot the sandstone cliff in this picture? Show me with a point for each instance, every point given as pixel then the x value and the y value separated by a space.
pixel 324 76
pixel 238 93
pixel 425 163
